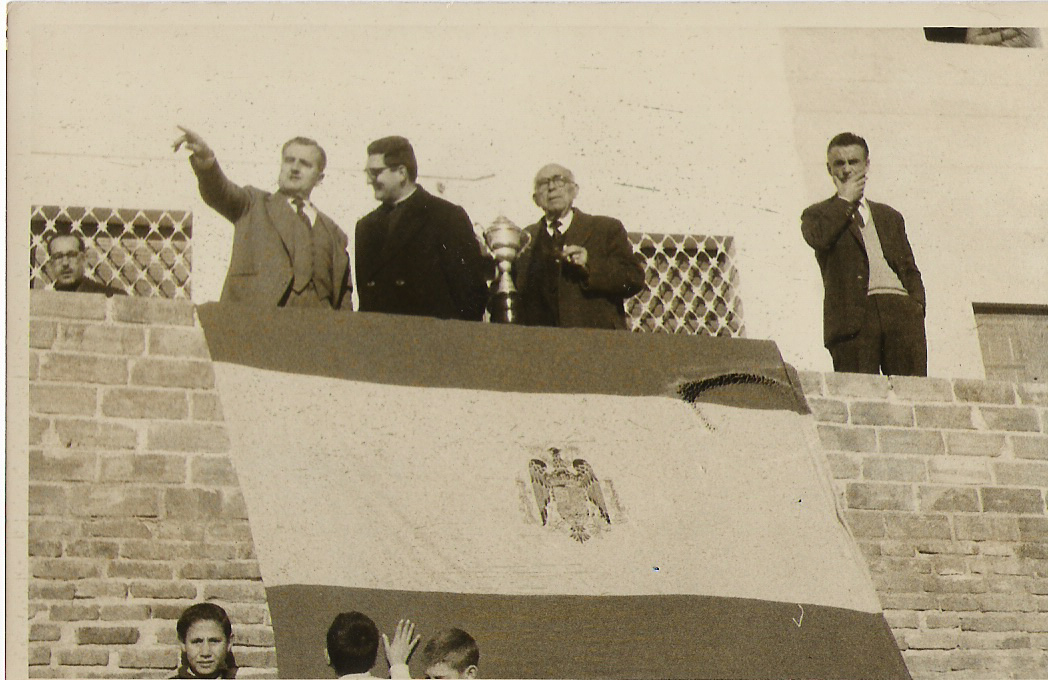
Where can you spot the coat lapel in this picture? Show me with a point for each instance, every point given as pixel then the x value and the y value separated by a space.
pixel 580 231
pixel 280 215
pixel 339 257
pixel 853 224
pixel 880 221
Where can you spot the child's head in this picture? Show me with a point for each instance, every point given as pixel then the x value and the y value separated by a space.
pixel 352 643
pixel 205 635
pixel 452 653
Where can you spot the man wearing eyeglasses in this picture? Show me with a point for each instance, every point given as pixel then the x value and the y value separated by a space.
pixel 416 253
pixel 576 269
pixel 286 253
pixel 66 265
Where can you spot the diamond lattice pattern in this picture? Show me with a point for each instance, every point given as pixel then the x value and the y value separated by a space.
pixel 145 252
pixel 691 286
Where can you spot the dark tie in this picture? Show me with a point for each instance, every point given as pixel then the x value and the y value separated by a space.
pixel 300 211
pixel 302 253
pixel 558 235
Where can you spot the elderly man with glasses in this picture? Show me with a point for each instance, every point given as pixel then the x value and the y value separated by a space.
pixel 416 253
pixel 577 269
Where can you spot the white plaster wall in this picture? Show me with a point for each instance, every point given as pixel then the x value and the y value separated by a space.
pixel 671 123
pixel 958 143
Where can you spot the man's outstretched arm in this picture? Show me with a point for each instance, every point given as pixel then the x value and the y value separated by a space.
pixel 231 201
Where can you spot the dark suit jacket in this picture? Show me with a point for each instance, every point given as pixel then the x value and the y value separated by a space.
pixel 832 229
pixel 615 273
pixel 429 264
pixel 260 268
pixel 87 285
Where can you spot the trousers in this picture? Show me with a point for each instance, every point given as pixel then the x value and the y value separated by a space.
pixel 891 339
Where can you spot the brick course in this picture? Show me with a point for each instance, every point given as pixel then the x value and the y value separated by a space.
pixel 100 339
pixel 181 342
pixel 145 403
pixel 984 391
pixel 65 399
pixel 83 368
pixel 1021 419
pixel 173 373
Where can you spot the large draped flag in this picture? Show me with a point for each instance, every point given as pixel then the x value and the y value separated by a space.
pixel 584 503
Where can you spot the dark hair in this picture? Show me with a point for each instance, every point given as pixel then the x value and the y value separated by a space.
pixel 203 611
pixel 396 151
pixel 306 141
pixel 848 139
pixel 452 646
pixel 352 643
pixel 69 234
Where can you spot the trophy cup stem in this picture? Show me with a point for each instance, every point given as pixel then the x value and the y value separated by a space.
pixel 503 239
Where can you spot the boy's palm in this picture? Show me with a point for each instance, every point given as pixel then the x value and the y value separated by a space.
pixel 404 641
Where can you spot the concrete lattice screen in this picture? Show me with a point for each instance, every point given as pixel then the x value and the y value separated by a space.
pixel 145 252
pixel 691 286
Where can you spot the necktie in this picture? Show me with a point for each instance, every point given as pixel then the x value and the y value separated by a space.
pixel 300 211
pixel 558 235
pixel 302 252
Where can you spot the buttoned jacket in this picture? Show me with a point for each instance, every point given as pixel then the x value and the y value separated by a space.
pixel 832 229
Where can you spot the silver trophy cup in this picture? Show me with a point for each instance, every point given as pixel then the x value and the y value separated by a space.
pixel 505 240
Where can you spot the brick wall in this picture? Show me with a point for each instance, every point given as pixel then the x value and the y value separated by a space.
pixel 943 484
pixel 135 510
pixel 134 507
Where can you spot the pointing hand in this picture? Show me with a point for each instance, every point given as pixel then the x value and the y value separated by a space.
pixel 202 153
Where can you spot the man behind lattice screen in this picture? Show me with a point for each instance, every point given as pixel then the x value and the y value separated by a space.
pixel 67 266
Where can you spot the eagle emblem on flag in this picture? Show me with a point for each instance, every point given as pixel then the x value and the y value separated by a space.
pixel 573 490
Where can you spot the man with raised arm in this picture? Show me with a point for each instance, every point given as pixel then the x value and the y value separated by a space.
pixel 286 253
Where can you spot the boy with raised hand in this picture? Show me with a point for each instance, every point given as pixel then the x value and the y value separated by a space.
pixel 452 653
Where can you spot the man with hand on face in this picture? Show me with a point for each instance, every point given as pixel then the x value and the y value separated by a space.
pixel 873 310
pixel 416 253
pixel 286 253
pixel 577 269
pixel 66 265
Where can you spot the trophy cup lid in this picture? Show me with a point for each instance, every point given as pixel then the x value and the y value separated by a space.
pixel 501 223
pixel 503 234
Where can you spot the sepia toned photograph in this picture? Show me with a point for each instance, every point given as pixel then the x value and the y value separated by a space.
pixel 527 340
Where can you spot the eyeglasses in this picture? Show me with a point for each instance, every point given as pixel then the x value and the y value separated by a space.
pixel 375 173
pixel 60 257
pixel 554 182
